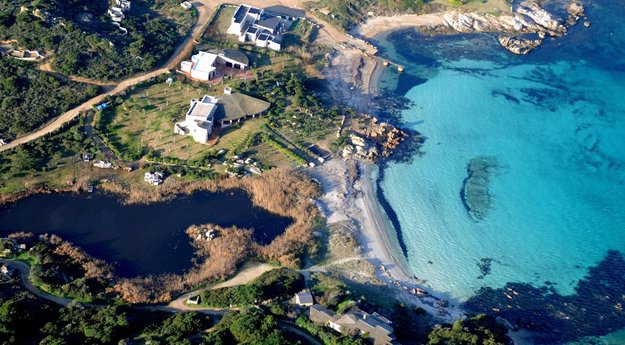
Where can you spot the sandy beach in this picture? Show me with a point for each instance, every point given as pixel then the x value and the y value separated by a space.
pixel 357 204
pixel 382 25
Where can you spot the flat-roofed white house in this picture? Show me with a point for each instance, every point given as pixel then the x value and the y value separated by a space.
pixel 262 27
pixel 198 122
pixel 203 65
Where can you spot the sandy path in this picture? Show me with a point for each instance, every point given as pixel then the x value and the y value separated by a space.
pixel 47 67
pixel 181 51
pixel 248 273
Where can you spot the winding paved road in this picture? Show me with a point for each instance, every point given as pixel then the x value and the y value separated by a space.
pixel 178 305
pixel 24 272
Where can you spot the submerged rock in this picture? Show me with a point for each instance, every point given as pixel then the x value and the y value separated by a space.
pixel 519 46
pixel 475 192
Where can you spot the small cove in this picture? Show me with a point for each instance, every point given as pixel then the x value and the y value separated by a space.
pixel 140 239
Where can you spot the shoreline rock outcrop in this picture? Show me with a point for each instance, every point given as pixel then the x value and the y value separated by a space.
pixel 528 18
pixel 517 45
pixel 376 140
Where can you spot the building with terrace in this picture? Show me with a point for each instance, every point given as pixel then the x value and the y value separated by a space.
pixel 204 65
pixel 263 27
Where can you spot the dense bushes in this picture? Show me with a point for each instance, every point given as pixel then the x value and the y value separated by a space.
pixel 46 153
pixel 25 319
pixel 29 98
pixel 279 283
pixel 480 329
pixel 249 326
pixel 63 269
pixel 348 13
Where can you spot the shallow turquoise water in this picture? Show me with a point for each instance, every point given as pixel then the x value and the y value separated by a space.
pixel 557 196
pixel 555 123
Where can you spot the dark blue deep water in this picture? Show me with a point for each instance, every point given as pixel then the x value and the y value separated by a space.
pixel 138 239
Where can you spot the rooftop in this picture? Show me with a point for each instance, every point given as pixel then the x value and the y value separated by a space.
pixel 204 61
pixel 286 11
pixel 271 23
pixel 304 297
pixel 320 314
pixel 235 55
pixel 240 14
pixel 237 105
pixel 202 109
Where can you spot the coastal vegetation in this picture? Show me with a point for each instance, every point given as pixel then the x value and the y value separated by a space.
pixel 30 98
pixel 281 192
pixel 60 268
pixel 480 329
pixel 346 14
pixel 270 285
pixel 48 163
pixel 83 41
pixel 249 326
pixel 26 319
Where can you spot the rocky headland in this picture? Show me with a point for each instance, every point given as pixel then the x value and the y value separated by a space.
pixel 522 30
pixel 529 18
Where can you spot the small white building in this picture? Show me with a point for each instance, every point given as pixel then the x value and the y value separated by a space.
pixel 304 299
pixel 198 121
pixel 195 300
pixel 103 165
pixel 124 5
pixel 186 5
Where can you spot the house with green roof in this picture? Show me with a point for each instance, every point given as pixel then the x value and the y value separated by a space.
pixel 210 111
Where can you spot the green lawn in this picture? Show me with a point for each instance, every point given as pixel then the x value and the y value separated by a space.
pixel 144 120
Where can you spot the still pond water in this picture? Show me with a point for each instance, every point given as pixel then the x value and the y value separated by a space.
pixel 138 239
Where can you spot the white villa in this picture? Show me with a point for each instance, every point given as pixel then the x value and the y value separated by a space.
pixel 222 111
pixel 263 26
pixel 203 65
pixel 198 122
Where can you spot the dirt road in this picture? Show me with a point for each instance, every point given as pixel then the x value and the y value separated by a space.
pixel 248 273
pixel 328 35
pixel 204 13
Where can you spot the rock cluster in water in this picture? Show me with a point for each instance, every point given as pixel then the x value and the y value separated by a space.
pixel 528 18
pixel 475 193
pixel 516 45
pixel 379 139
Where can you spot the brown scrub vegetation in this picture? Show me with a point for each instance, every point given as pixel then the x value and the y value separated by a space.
pixel 285 193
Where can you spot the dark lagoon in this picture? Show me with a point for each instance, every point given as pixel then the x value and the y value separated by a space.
pixel 138 239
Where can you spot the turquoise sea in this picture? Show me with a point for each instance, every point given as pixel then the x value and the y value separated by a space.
pixel 548 253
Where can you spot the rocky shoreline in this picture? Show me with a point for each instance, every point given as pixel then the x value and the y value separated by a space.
pixel 522 31
pixel 372 140
pixel 529 18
